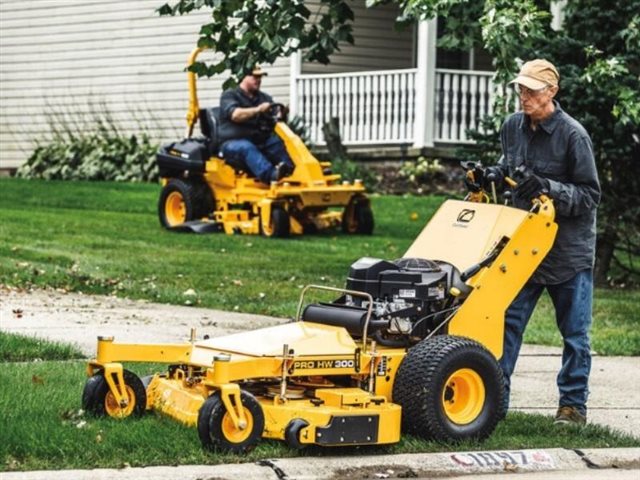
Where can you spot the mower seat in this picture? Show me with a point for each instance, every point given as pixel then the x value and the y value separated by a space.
pixel 209 124
pixel 209 121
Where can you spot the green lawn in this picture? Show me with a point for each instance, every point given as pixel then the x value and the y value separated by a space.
pixel 20 348
pixel 46 430
pixel 105 238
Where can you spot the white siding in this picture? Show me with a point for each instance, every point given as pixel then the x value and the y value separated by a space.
pixel 75 57
pixel 377 46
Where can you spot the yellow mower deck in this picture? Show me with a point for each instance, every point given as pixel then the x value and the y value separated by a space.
pixel 313 383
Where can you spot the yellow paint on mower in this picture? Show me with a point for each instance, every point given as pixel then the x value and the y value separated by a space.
pixel 351 372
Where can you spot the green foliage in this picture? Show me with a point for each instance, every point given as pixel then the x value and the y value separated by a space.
pixel 423 171
pixel 102 153
pixel 600 86
pixel 246 32
pixel 298 126
pixel 598 56
pixel 20 348
pixel 351 170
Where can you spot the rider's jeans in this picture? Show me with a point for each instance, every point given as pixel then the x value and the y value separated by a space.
pixel 260 159
pixel 572 301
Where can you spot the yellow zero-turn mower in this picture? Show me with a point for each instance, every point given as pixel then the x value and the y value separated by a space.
pixel 409 345
pixel 202 192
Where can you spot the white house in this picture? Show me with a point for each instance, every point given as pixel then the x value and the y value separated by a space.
pixel 64 62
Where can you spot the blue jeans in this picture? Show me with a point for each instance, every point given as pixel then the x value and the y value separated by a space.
pixel 572 301
pixel 260 159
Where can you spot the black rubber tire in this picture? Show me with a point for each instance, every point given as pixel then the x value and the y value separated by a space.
pixel 198 200
pixel 292 433
pixel 420 389
pixel 358 216
pixel 280 224
pixel 210 424
pixel 96 389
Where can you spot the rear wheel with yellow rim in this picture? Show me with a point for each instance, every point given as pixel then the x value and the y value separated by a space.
pixel 217 430
pixel 183 200
pixel 450 389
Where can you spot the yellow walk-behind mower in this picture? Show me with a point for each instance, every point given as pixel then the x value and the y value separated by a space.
pixel 203 192
pixel 409 345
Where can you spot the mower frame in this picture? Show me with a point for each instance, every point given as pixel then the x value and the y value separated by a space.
pixel 209 194
pixel 355 390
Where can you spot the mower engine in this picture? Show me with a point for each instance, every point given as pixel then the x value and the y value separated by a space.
pixel 411 298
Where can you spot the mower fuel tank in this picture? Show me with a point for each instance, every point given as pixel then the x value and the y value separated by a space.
pixel 188 155
pixel 381 279
pixel 364 274
pixel 413 285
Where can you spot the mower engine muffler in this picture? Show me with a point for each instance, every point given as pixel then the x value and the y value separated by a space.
pixel 351 318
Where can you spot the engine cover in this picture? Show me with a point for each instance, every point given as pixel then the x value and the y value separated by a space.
pixel 407 279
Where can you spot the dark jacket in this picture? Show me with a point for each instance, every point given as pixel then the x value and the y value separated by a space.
pixel 559 150
pixel 256 129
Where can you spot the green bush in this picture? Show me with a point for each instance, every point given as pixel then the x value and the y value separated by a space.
pixel 423 171
pixel 102 154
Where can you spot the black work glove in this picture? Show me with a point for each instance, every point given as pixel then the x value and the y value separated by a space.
pixel 531 186
pixel 474 179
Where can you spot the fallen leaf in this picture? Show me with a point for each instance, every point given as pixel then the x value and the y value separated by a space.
pixel 36 380
pixel 237 283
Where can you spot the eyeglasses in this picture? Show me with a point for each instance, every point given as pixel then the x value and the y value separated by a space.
pixel 528 92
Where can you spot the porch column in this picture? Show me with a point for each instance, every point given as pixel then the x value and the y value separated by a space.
pixel 425 84
pixel 295 68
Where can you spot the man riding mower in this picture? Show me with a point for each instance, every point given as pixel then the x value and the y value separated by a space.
pixel 410 345
pixel 209 185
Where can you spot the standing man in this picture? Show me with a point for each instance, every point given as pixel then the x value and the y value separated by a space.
pixel 246 130
pixel 556 155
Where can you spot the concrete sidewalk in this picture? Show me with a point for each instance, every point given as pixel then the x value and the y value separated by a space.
pixel 614 398
pixel 423 465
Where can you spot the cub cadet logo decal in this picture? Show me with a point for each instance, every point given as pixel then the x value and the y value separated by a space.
pixel 314 364
pixel 466 215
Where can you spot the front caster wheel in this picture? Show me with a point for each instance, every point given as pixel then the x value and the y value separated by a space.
pixel 292 433
pixel 279 224
pixel 217 431
pixel 98 400
pixel 358 216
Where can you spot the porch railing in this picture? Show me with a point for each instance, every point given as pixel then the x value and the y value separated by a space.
pixel 373 107
pixel 379 107
pixel 463 97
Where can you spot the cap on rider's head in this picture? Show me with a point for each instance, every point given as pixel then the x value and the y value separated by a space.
pixel 537 74
pixel 257 71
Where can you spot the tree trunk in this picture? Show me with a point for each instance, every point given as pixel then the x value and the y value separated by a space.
pixel 604 255
pixel 331 132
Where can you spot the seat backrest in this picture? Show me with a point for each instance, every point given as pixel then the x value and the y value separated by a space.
pixel 209 124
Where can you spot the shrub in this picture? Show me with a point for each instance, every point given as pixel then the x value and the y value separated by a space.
pixel 102 154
